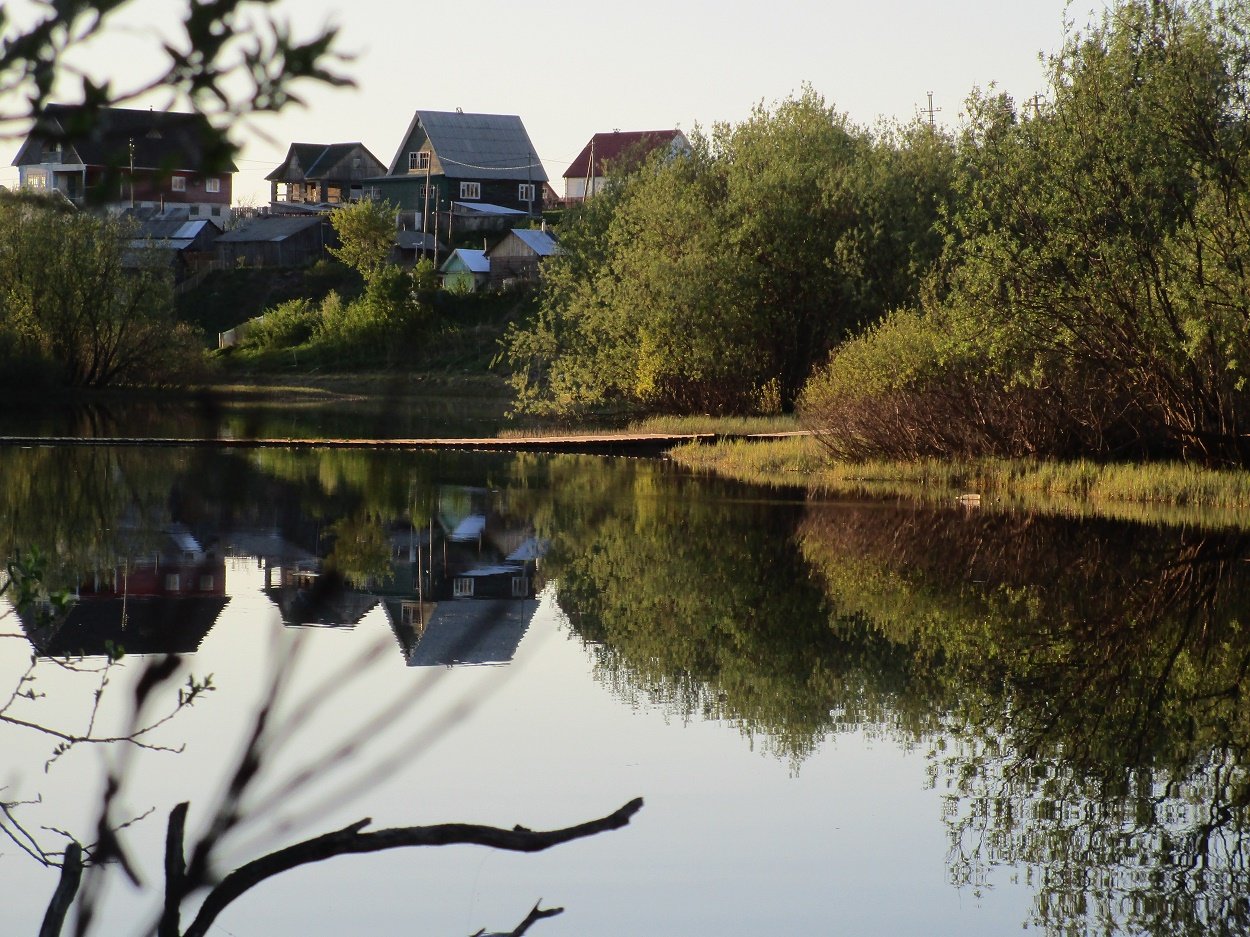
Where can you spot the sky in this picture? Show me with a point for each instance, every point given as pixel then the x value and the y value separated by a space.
pixel 573 69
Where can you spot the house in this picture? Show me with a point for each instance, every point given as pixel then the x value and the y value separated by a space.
pixel 471 159
pixel 277 241
pixel 519 254
pixel 318 175
pixel 126 159
pixel 465 271
pixel 617 151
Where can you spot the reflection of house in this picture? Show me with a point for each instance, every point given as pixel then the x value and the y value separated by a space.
pixel 468 631
pixel 625 152
pixel 307 595
pixel 159 602
pixel 317 174
pixel 519 255
pixel 123 158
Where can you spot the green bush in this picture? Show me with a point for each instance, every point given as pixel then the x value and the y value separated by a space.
pixel 285 326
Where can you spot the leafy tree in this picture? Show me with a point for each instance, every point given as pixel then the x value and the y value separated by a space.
pixel 1093 294
pixel 366 231
pixel 716 282
pixel 94 322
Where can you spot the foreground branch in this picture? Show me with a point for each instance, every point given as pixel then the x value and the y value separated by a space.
pixel 351 840
pixel 536 914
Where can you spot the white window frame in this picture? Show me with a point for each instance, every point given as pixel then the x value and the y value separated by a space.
pixel 173 582
pixel 212 184
pixel 525 192
pixel 418 160
pixel 462 587
pixel 178 183
pixel 470 190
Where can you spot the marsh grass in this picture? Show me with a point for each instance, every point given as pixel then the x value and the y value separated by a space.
pixel 1155 492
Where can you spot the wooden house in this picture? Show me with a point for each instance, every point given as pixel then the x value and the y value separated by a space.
pixel 124 158
pixel 449 157
pixel 617 152
pixel 319 175
pixel 277 241
pixel 520 254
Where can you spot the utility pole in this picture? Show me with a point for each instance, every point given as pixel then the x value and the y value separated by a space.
pixel 132 172
pixel 590 172
pixel 1035 102
pixel 931 111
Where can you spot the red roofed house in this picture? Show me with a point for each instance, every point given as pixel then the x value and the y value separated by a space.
pixel 616 150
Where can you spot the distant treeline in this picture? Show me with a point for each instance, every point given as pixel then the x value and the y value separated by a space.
pixel 1064 276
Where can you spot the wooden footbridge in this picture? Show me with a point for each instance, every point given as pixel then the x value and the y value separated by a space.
pixel 633 444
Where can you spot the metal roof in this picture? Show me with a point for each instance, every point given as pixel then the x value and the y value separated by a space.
pixel 628 148
pixel 475 261
pixel 484 208
pixel 272 228
pixel 540 242
pixel 475 146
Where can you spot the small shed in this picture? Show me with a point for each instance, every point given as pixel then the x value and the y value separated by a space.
pixel 183 245
pixel 519 255
pixel 465 271
pixel 277 241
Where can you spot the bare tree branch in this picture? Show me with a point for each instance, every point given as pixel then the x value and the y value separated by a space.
pixel 536 914
pixel 351 840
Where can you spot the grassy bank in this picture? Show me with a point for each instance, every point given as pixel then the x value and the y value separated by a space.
pixel 1157 492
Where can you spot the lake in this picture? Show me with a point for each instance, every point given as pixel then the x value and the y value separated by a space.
pixel 852 717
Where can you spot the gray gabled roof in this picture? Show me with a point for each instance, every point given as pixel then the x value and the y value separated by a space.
pixel 312 161
pixel 540 242
pixel 277 228
pixel 475 146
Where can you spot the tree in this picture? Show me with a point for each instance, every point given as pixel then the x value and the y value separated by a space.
pixel 94 322
pixel 717 281
pixel 366 231
pixel 1093 297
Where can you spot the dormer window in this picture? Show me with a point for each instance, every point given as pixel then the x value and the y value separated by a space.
pixel 419 161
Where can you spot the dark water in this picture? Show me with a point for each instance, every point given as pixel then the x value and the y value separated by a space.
pixel 855 717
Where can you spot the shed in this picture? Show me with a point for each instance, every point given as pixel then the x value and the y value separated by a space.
pixel 277 241
pixel 519 255
pixel 465 271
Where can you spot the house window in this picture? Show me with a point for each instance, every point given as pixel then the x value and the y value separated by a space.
pixel 525 192
pixel 193 210
pixel 178 183
pixel 462 587
pixel 470 190
pixel 520 586
pixel 419 161
pixel 215 211
pixel 206 583
pixel 171 582
pixel 212 185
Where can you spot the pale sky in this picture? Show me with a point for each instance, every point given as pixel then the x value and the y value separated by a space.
pixel 574 69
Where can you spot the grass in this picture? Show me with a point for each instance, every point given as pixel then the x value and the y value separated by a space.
pixel 1155 492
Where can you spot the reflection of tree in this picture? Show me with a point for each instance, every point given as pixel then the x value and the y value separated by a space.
pixel 1095 732
pixel 686 594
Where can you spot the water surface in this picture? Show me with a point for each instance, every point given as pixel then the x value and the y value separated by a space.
pixel 851 717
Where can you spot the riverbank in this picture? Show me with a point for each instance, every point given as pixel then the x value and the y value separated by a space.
pixel 1169 492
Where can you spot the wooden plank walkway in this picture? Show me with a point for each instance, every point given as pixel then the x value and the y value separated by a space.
pixel 597 444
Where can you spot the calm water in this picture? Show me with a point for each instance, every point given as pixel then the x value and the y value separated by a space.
pixel 851 718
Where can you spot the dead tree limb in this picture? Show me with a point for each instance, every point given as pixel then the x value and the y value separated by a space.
pixel 66 890
pixel 536 914
pixel 351 839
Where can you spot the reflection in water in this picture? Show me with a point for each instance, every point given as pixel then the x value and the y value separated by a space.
pixel 1077 684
